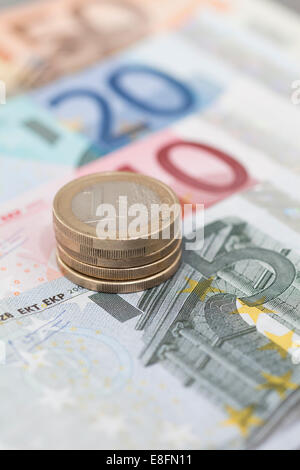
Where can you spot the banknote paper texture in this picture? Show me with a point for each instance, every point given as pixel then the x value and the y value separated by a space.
pixel 249 51
pixel 272 200
pixel 270 21
pixel 259 121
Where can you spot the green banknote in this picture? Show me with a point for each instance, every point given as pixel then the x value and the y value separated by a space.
pixel 207 360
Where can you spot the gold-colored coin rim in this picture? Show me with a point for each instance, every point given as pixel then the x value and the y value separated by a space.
pixel 108 259
pixel 119 287
pixel 119 274
pixel 67 223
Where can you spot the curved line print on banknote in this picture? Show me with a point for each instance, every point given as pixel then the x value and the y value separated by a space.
pixel 125 369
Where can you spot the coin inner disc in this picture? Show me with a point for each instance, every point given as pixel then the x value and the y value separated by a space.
pixel 122 201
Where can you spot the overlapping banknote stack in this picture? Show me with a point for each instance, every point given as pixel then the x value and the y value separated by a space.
pixel 206 101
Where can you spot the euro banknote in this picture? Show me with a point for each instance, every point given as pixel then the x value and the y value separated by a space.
pixel 57 37
pixel 114 108
pixel 34 148
pixel 270 21
pixel 254 115
pixel 208 358
pixel 201 163
pixel 250 51
pixel 269 198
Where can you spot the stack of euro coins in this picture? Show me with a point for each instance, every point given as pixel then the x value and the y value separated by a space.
pixel 117 232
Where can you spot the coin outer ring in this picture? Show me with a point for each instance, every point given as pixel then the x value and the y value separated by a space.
pixel 119 287
pixel 92 256
pixel 122 273
pixel 68 224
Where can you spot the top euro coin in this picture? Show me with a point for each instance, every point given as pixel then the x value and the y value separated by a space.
pixel 118 214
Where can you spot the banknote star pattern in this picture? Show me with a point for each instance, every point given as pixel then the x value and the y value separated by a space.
pixel 57 399
pixel 274 347
pixel 244 419
pixel 201 288
pixel 73 124
pixel 280 384
pixel 33 361
pixel 177 436
pixel 110 424
pixel 253 312
pixel 285 341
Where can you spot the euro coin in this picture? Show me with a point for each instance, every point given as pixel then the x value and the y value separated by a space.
pixel 92 256
pixel 121 273
pixel 118 287
pixel 122 215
